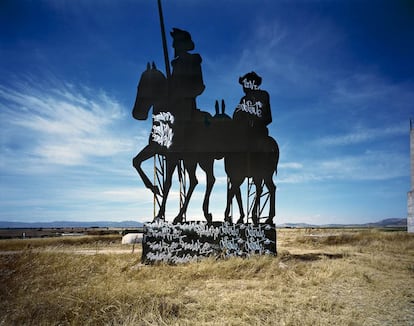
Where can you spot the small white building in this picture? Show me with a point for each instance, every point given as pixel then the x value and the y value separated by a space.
pixel 131 238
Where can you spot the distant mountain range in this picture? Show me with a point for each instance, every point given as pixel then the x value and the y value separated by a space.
pixel 391 222
pixel 69 224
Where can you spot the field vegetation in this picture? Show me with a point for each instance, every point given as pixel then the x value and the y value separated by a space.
pixel 320 277
pixel 62 243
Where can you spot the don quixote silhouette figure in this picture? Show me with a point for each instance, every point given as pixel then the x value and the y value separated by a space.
pixel 181 131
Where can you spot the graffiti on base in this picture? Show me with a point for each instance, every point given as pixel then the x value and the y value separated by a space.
pixel 182 243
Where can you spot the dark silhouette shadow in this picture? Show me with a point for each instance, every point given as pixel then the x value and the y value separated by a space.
pixel 181 131
pixel 254 153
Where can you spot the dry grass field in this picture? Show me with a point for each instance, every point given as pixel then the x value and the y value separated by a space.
pixel 320 277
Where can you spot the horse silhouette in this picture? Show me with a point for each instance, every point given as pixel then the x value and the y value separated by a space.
pixel 187 136
pixel 196 137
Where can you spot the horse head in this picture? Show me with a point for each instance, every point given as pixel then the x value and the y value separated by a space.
pixel 151 92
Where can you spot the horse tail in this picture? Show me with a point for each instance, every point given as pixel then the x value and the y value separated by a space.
pixel 276 154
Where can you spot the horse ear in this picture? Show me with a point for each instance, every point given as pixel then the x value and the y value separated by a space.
pixel 153 65
pixel 223 106
pixel 148 66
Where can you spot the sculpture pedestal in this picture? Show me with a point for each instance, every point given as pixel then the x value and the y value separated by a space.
pixel 192 241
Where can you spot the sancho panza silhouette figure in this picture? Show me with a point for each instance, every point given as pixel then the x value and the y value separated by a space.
pixel 186 78
pixel 253 113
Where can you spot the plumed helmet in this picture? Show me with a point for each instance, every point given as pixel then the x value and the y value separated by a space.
pixel 182 40
pixel 250 77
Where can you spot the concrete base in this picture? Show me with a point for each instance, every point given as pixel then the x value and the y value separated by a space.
pixel 191 241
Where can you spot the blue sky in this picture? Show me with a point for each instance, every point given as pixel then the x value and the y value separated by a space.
pixel 340 75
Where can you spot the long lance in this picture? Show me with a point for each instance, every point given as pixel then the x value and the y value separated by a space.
pixel 161 159
pixel 181 173
pixel 164 43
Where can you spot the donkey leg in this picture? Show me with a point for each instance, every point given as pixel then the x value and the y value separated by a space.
pixel 170 167
pixel 233 191
pixel 190 167
pixel 256 205
pixel 208 167
pixel 142 156
pixel 272 205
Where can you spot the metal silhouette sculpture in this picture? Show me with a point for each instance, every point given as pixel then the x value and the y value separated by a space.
pixel 200 139
pixel 178 135
pixel 254 154
pixel 183 133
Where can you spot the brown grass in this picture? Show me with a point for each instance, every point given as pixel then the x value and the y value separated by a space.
pixel 60 242
pixel 335 278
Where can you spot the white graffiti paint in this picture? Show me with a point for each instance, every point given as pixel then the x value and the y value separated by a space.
pixel 181 243
pixel 164 234
pixel 160 256
pixel 253 246
pixel 202 248
pixel 250 84
pixel 250 107
pixel 202 230
pixel 163 117
pixel 229 244
pixel 252 231
pixel 184 259
pixel 228 229
pixel 162 132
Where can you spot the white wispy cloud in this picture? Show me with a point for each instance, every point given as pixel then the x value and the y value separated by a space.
pixel 361 135
pixel 291 165
pixel 59 123
pixel 372 165
pixel 362 86
pixel 372 96
pixel 289 54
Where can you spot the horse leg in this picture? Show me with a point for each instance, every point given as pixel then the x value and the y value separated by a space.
pixel 208 167
pixel 190 167
pixel 230 194
pixel 142 156
pixel 240 204
pixel 272 191
pixel 256 205
pixel 170 167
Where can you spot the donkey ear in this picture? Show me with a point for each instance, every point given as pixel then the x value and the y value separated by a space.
pixel 148 66
pixel 153 65
pixel 217 107
pixel 223 106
